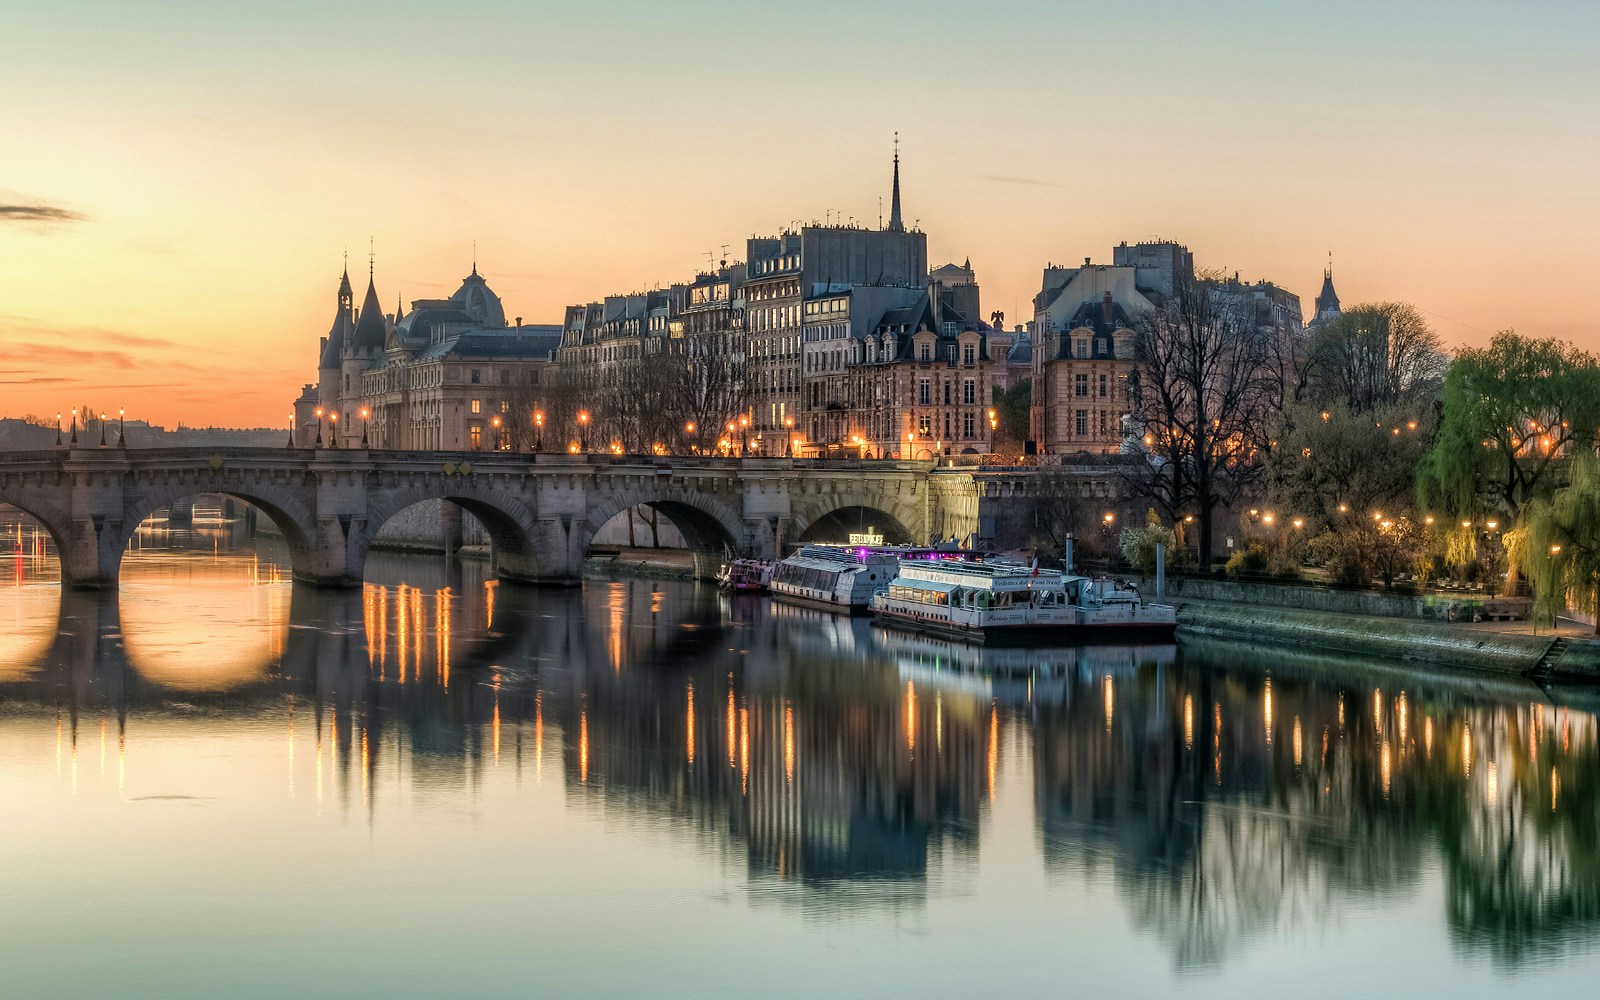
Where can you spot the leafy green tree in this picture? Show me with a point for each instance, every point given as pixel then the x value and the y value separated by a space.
pixel 1557 543
pixel 1511 412
pixel 1138 545
pixel 1334 462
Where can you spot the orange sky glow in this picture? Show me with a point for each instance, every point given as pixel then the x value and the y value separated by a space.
pixel 178 182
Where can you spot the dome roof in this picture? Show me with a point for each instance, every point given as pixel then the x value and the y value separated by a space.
pixel 477 300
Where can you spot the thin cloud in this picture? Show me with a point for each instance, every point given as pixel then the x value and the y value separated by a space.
pixel 1027 181
pixel 38 380
pixel 37 214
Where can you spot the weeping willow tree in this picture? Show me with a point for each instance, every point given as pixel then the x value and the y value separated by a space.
pixel 1556 544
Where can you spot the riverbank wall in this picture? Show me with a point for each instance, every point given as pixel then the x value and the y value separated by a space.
pixel 1545 658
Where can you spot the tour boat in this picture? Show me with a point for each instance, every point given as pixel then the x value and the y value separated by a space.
pixel 998 602
pixel 844 577
pixel 744 575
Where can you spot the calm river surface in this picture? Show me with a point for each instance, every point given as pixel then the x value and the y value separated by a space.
pixel 218 784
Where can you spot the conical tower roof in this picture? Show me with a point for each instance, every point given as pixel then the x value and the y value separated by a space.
pixel 334 345
pixel 371 328
pixel 1327 299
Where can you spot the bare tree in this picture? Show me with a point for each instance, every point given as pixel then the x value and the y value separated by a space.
pixel 1372 356
pixel 1210 390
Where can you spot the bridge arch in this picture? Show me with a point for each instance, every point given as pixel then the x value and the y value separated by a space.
pixel 514 533
pixel 285 509
pixel 39 509
pixel 835 523
pixel 711 529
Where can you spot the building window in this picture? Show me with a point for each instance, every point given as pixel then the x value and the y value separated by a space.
pixel 477 435
pixel 1104 382
pixel 924 426
pixel 1105 419
pixel 1081 423
pixel 969 392
pixel 967 425
pixel 924 392
pixel 947 393
pixel 1080 386
pixel 476 377
pixel 505 406
pixel 477 404
pixel 947 425
pixel 347 385
pixel 1080 347
pixel 969 355
pixel 505 376
pixel 927 352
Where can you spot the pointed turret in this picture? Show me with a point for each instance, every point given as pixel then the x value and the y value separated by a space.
pixel 333 344
pixel 896 225
pixel 370 325
pixel 1327 305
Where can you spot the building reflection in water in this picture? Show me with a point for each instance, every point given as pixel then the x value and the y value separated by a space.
pixel 848 767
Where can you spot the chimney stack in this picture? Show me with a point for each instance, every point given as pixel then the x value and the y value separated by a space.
pixel 1107 309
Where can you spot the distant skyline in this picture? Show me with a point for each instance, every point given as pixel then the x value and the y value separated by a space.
pixel 178 180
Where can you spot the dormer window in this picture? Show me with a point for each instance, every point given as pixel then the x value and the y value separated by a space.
pixel 926 352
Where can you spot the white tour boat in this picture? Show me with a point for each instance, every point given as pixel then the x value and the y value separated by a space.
pixel 844 577
pixel 996 602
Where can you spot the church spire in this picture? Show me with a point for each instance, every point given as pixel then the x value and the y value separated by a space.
pixel 895 223
pixel 1327 305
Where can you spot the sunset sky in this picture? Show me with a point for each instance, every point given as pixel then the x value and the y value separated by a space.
pixel 178 180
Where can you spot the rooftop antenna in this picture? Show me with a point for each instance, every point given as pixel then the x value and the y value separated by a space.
pixel 725 247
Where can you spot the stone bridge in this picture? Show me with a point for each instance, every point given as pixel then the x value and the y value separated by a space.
pixel 540 511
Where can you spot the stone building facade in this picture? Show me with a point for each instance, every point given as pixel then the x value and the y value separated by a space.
pixel 451 374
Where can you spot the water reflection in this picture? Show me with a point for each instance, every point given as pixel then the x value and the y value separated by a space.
pixel 846 769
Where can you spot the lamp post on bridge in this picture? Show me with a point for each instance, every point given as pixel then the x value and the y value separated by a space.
pixel 583 431
pixel 365 413
pixel 319 427
pixel 122 427
pixel 73 441
pixel 291 430
pixel 538 430
pixel 102 428
pixel 333 430
pixel 58 428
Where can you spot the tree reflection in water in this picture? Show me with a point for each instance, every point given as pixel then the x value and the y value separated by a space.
pixel 1219 830
pixel 1228 795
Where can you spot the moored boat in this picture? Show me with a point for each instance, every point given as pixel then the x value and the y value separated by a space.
pixel 1009 602
pixel 844 577
pixel 746 576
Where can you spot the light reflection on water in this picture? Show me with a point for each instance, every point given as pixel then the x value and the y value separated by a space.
pixel 436 785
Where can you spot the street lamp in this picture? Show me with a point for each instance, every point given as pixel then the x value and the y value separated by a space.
pixel 319 427
pixel 583 430
pixel 58 428
pixel 538 430
pixel 333 430
pixel 494 422
pixel 122 427
pixel 102 428
pixel 74 439
pixel 365 413
pixel 788 436
pixel 291 430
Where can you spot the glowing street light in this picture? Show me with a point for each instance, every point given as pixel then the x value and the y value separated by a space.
pixel 122 426
pixel 333 431
pixel 365 413
pixel 583 430
pixel 319 426
pixel 538 430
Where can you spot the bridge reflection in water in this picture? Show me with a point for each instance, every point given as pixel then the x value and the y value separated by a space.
pixel 853 768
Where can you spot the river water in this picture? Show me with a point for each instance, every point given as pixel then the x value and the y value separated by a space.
pixel 220 784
